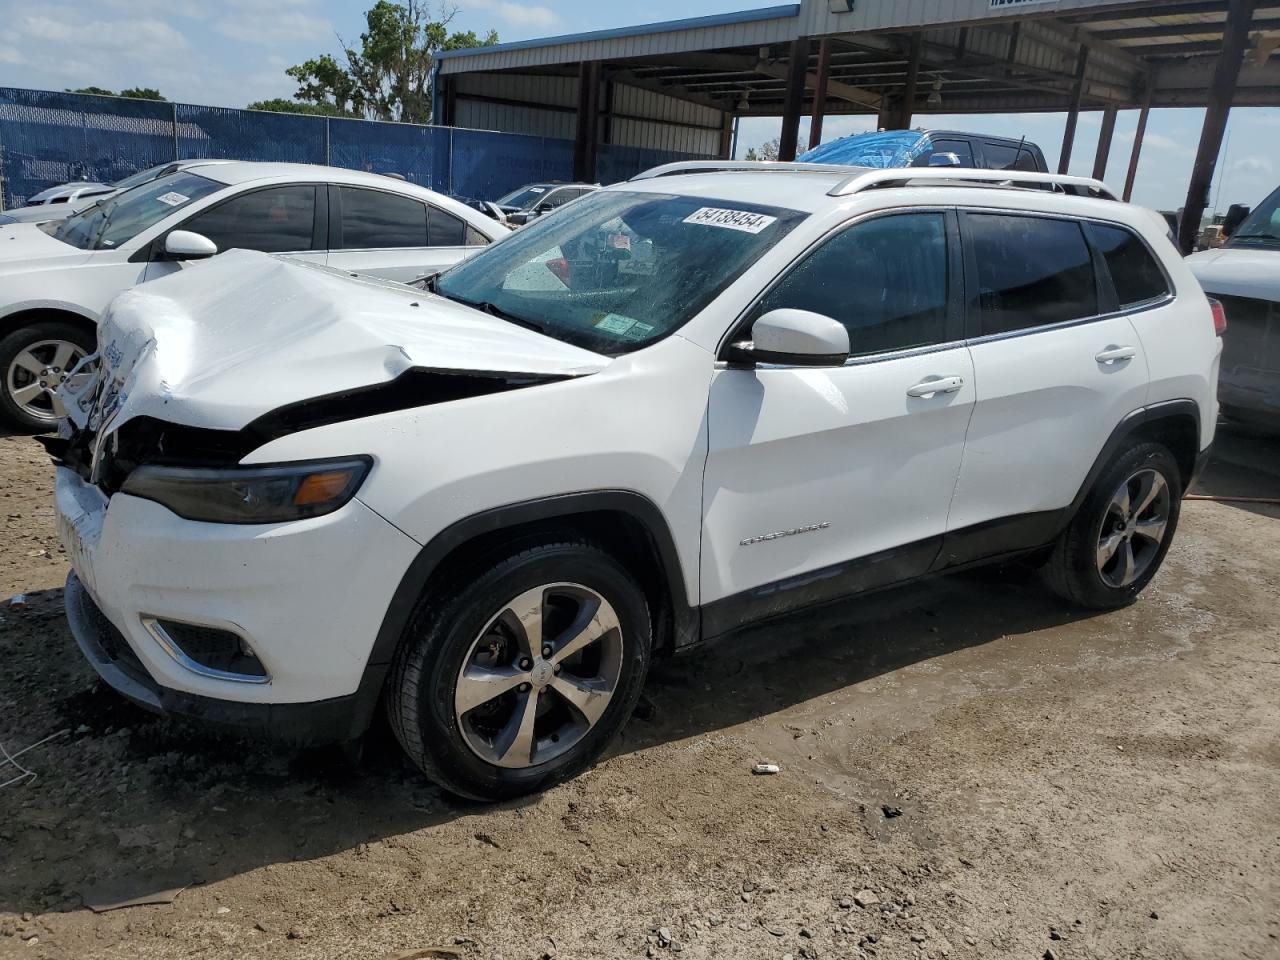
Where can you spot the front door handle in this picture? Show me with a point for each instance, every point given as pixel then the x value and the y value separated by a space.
pixel 934 386
pixel 1116 354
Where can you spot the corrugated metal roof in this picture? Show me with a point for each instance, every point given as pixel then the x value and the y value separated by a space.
pixel 745 27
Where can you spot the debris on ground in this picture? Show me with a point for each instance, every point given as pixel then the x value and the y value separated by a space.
pixel 766 769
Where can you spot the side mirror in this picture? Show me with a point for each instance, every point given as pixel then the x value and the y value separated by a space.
pixel 185 245
pixel 944 160
pixel 1237 213
pixel 796 338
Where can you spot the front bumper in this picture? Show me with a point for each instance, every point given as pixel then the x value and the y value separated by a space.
pixel 328 721
pixel 307 597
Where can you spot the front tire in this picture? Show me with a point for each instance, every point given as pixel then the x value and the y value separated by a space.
pixel 517 678
pixel 34 362
pixel 1117 541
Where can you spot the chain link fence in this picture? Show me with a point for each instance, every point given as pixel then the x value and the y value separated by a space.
pixel 49 138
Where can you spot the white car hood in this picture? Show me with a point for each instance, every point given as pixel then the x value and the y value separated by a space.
pixel 225 342
pixel 1239 271
pixel 25 246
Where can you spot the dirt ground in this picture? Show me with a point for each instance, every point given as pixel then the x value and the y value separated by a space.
pixel 969 769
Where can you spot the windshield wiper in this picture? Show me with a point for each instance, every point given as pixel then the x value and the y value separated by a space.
pixel 493 310
pixel 1255 236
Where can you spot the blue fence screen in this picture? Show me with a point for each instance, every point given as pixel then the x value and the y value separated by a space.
pixel 48 138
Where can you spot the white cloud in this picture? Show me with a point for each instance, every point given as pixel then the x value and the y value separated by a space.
pixel 519 14
pixel 1252 165
pixel 10 55
pixel 276 24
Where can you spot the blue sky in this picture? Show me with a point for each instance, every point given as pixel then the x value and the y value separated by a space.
pixel 230 52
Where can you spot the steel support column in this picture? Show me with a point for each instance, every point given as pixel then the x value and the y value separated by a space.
pixel 1138 136
pixel 1223 91
pixel 908 106
pixel 1104 143
pixel 820 92
pixel 726 136
pixel 793 104
pixel 587 138
pixel 1073 115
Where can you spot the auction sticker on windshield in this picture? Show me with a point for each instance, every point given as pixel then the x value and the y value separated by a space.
pixel 743 220
pixel 172 199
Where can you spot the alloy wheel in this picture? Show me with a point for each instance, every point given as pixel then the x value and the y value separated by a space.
pixel 539 676
pixel 1133 528
pixel 36 373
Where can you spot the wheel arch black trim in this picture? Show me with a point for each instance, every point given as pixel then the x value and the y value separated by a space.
pixel 1135 422
pixel 404 601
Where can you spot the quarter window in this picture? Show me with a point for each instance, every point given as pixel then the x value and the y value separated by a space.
pixel 274 220
pixel 1031 272
pixel 1001 156
pixel 373 220
pixel 1134 272
pixel 445 229
pixel 884 279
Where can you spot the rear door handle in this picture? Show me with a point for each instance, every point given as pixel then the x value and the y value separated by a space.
pixel 936 385
pixel 1116 354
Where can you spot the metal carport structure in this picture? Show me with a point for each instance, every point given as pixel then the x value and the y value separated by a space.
pixel 688 80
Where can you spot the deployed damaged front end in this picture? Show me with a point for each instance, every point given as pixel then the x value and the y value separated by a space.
pixel 206 585
pixel 204 368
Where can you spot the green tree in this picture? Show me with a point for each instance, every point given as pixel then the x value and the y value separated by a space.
pixel 137 93
pixel 767 151
pixel 143 93
pixel 283 105
pixel 389 76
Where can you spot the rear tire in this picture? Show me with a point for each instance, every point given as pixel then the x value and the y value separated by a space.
pixel 1117 541
pixel 34 361
pixel 516 676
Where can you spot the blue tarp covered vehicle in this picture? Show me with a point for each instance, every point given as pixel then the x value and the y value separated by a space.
pixel 889 148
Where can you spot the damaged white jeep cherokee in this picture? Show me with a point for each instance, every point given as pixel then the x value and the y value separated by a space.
pixel 703 398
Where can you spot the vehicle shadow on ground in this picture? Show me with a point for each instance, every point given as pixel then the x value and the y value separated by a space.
pixel 141 804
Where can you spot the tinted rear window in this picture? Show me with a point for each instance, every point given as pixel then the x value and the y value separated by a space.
pixel 1134 271
pixel 1032 272
pixel 373 220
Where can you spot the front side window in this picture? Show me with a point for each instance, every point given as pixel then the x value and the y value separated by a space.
pixel 1031 272
pixel 116 221
pixel 274 220
pixel 618 270
pixel 374 220
pixel 1134 272
pixel 884 279
pixel 1261 227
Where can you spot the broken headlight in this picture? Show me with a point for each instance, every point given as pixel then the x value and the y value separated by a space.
pixel 252 494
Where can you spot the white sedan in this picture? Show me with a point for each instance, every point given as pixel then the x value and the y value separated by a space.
pixel 57 278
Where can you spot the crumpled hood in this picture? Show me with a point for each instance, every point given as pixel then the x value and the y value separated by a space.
pixel 24 246
pixel 223 343
pixel 1239 271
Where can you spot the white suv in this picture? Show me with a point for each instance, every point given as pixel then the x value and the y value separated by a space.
pixel 288 494
pixel 57 278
